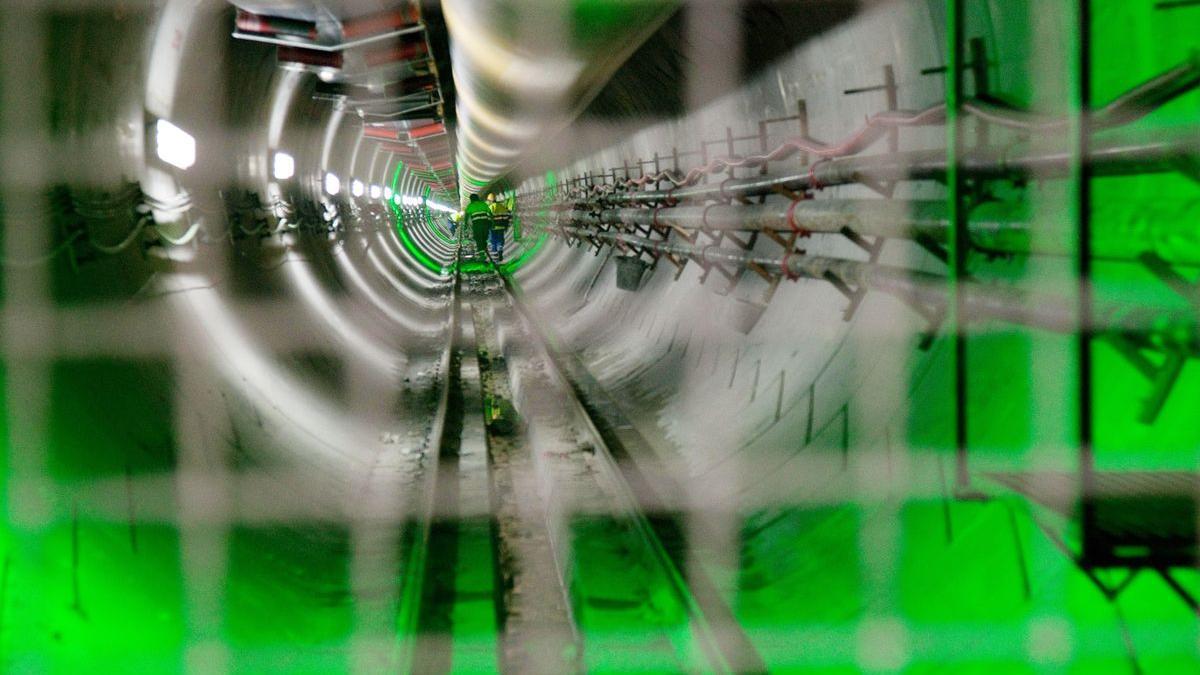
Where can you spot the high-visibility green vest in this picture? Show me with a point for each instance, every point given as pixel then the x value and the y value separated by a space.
pixel 478 215
pixel 501 218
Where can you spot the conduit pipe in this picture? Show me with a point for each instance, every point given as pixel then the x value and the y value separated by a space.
pixel 523 75
pixel 1132 154
pixel 1125 109
pixel 927 292
pixel 995 228
pixel 1002 232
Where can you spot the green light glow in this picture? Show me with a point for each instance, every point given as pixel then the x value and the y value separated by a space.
pixel 527 250
pixel 519 262
pixel 409 245
pixel 433 226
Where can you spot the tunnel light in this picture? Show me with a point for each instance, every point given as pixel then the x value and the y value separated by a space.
pixel 333 184
pixel 284 166
pixel 409 200
pixel 376 192
pixel 397 200
pixel 437 206
pixel 357 188
pixel 175 146
pixel 388 193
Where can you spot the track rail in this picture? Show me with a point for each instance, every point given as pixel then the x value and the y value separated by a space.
pixel 640 482
pixel 416 562
pixel 645 483
pixel 552 601
pixel 532 594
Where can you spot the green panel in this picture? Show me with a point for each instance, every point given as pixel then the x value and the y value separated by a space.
pixel 631 621
pixel 95 593
pixel 472 616
pixel 289 587
pixel 974 575
pixel 109 417
pixel 599 22
pixel 784 554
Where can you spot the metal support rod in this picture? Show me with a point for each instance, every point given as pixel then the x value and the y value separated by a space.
pixel 997 229
pixel 1123 110
pixel 1082 175
pixel 893 103
pixel 981 87
pixel 958 242
pixel 1127 154
pixel 1174 326
pixel 1005 231
pixel 1129 107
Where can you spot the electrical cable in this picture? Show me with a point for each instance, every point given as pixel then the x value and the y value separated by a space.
pixel 114 249
pixel 1133 153
pixel 182 201
pixel 41 260
pixel 185 239
pixel 923 289
pixel 1129 107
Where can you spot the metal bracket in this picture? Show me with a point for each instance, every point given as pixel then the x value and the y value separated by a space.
pixel 717 236
pixel 1162 269
pixel 873 248
pixel 889 87
pixel 708 267
pixel 679 264
pixel 744 245
pixel 887 189
pixel 854 295
pixel 934 315
pixel 977 65
pixel 801 117
pixel 933 246
pixel 689 237
pixel 1162 376
pixel 1189 166
pixel 762 272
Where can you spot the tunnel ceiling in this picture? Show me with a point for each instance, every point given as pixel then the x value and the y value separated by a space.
pixel 812 336
pixel 663 62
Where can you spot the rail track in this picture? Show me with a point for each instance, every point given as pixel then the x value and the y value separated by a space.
pixel 543 545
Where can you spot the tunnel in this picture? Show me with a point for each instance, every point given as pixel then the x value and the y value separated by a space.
pixel 814 336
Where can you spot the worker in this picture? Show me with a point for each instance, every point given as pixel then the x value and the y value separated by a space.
pixel 479 217
pixel 501 220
